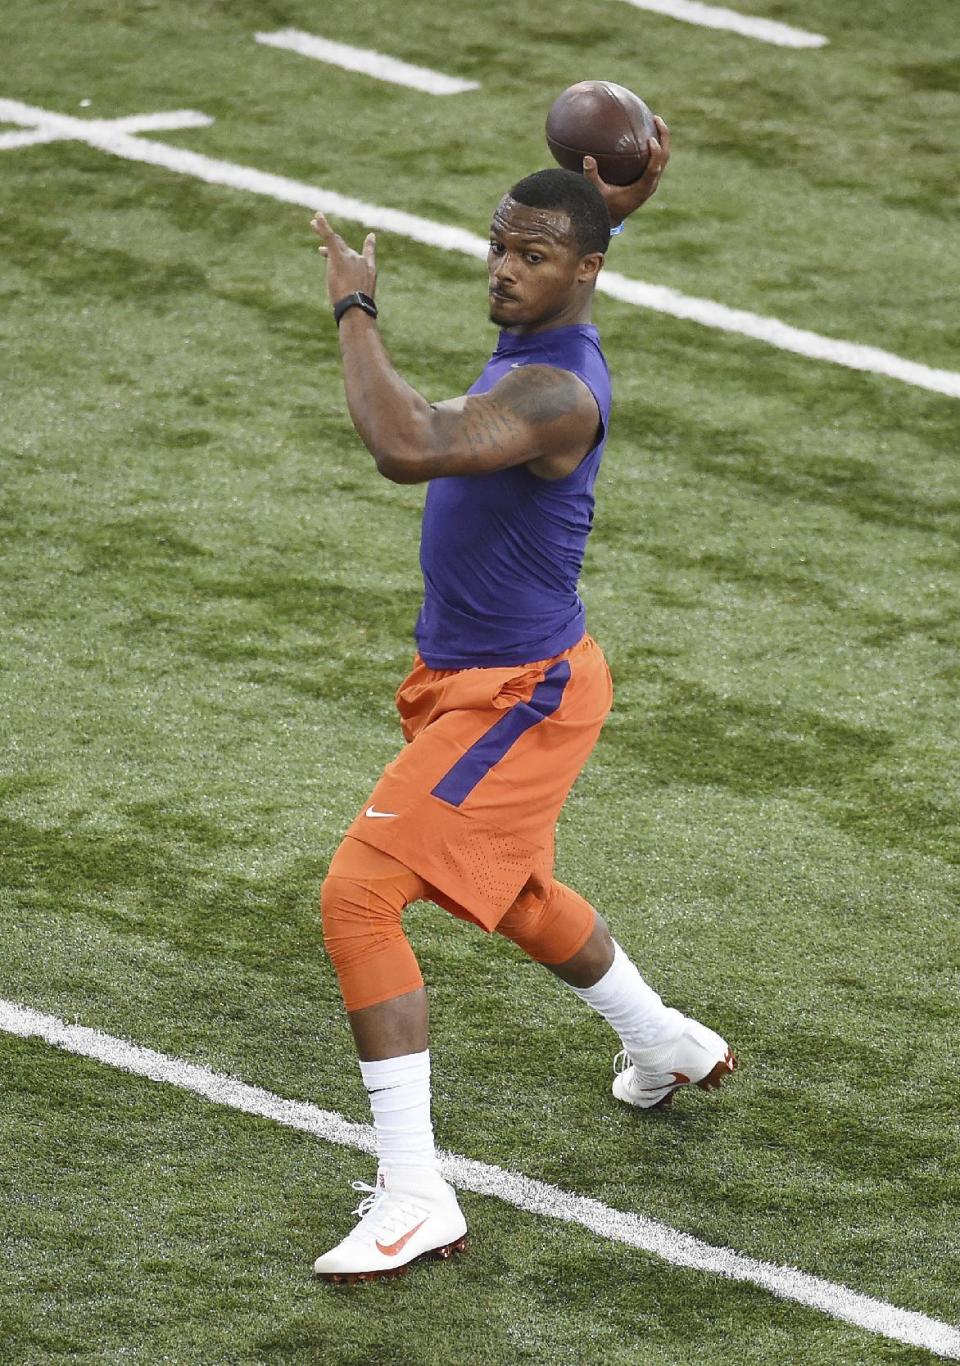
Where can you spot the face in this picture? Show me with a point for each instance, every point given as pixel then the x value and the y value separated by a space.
pixel 538 279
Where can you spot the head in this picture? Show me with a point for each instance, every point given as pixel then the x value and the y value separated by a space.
pixel 547 243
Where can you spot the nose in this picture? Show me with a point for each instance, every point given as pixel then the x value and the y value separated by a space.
pixel 502 270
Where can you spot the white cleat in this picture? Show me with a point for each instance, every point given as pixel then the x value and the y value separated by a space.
pixel 409 1213
pixel 650 1076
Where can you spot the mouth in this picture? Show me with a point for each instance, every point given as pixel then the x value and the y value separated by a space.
pixel 502 298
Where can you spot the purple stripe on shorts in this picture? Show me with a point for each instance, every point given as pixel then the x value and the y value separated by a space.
pixel 456 785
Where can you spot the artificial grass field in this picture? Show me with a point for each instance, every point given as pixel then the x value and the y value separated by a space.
pixel 208 596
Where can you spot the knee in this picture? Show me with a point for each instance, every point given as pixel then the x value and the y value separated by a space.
pixel 336 894
pixel 362 901
pixel 354 915
pixel 335 898
pixel 552 929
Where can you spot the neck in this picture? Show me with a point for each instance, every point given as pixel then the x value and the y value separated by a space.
pixel 573 316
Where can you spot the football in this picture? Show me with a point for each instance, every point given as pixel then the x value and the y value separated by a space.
pixel 602 120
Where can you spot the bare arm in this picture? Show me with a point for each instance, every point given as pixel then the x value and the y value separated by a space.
pixel 535 414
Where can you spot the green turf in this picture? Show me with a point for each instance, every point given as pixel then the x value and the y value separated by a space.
pixel 212 1231
pixel 207 602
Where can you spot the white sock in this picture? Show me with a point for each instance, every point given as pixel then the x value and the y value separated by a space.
pixel 399 1090
pixel 629 1005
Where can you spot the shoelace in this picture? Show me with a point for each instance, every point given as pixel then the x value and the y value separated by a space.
pixel 383 1214
pixel 368 1202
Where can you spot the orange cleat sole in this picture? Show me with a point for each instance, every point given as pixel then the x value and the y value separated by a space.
pixel 390 1273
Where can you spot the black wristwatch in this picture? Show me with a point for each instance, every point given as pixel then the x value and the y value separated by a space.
pixel 355 300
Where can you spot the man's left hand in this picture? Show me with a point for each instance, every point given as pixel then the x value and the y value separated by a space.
pixel 347 270
pixel 623 200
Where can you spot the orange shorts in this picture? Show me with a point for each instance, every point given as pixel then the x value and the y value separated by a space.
pixel 471 802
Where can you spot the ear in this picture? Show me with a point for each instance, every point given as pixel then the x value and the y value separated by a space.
pixel 589 268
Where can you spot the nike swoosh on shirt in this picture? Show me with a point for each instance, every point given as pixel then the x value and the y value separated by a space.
pixel 391 1249
pixel 382 815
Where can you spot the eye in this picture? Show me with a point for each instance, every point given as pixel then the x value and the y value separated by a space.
pixel 534 258
pixel 496 248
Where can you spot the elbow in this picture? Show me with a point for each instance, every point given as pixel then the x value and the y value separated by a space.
pixel 400 467
pixel 406 452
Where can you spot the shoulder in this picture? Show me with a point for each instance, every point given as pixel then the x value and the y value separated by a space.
pixel 544 393
pixel 579 351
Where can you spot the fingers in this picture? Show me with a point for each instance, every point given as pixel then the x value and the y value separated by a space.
pixel 321 227
pixel 659 149
pixel 591 172
pixel 659 154
pixel 663 136
pixel 656 160
pixel 347 271
pixel 659 146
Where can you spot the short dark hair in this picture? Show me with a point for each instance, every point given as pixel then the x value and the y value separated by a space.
pixel 575 195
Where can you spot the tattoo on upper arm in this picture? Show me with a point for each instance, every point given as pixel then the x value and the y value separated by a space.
pixel 496 422
pixel 487 426
pixel 540 393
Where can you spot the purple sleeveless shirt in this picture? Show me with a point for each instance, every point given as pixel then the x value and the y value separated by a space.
pixel 501 553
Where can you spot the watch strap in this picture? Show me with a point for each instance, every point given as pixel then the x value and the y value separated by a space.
pixel 356 300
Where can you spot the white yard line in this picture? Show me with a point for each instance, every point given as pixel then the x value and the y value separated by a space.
pixel 9 141
pixel 164 122
pixel 533 1197
pixel 658 297
pixel 715 16
pixel 135 123
pixel 854 355
pixel 369 63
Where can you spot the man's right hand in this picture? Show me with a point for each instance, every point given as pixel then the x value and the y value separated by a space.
pixel 623 200
pixel 347 270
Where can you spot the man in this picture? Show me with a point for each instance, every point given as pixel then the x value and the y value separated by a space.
pixel 506 698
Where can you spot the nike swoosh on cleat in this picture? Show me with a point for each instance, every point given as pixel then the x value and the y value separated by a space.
pixel 392 1249
pixel 381 815
pixel 681 1079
